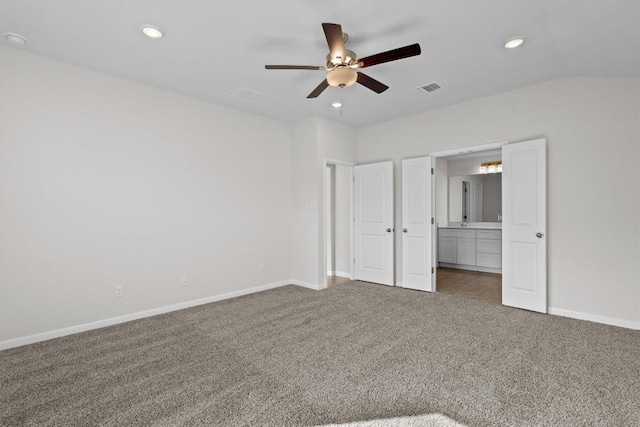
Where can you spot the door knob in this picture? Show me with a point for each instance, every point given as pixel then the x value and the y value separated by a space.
pixel 539 235
pixel 388 230
pixel 404 230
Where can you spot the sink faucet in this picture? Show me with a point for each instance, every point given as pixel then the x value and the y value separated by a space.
pixel 463 224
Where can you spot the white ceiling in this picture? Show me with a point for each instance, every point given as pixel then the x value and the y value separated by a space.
pixel 213 47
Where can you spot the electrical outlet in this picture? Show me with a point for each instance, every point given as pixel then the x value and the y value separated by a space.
pixel 184 280
pixel 119 291
pixel 261 268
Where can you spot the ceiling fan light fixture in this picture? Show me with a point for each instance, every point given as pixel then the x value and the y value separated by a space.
pixel 336 104
pixel 513 43
pixel 342 77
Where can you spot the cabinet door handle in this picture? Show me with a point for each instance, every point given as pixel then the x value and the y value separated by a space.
pixel 539 235
pixel 404 230
pixel 388 230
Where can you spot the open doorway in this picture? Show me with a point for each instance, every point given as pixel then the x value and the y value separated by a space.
pixel 469 234
pixel 338 214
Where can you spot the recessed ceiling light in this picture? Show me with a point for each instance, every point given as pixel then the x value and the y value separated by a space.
pixel 336 104
pixel 152 32
pixel 15 39
pixel 513 43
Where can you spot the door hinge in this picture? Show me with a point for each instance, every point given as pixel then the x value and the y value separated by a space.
pixel 432 270
pixel 433 221
pixel 432 171
pixel 354 260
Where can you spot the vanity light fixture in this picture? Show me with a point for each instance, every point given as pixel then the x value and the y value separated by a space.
pixel 491 167
pixel 152 32
pixel 513 43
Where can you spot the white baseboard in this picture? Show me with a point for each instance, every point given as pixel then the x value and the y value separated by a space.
pixel 342 274
pixel 594 318
pixel 44 336
pixel 308 285
pixel 471 268
pixel 31 339
pixel 339 274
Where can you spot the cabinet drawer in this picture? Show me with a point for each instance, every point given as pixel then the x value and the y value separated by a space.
pixel 489 260
pixel 489 234
pixel 454 232
pixel 489 246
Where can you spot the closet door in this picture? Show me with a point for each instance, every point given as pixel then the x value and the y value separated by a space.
pixel 373 233
pixel 417 230
pixel 524 225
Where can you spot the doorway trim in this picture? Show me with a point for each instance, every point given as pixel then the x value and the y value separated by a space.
pixel 434 156
pixel 326 162
pixel 470 149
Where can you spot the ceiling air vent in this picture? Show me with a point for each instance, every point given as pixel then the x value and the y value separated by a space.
pixel 246 95
pixel 428 88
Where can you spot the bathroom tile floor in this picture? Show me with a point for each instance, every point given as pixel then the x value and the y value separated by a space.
pixel 470 284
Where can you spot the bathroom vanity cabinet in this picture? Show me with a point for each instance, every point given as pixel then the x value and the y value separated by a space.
pixel 470 249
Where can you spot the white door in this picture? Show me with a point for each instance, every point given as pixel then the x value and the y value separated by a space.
pixel 524 225
pixel 416 224
pixel 373 231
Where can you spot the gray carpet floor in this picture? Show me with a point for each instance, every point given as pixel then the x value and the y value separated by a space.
pixel 353 353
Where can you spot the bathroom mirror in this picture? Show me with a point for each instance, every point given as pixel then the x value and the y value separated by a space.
pixel 475 198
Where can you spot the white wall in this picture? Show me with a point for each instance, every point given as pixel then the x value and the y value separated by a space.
pixel 305 179
pixel 314 140
pixel 329 185
pixel 342 220
pixel 593 137
pixel 442 190
pixel 335 141
pixel 106 182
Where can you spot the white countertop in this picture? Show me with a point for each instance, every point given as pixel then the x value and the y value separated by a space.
pixel 474 225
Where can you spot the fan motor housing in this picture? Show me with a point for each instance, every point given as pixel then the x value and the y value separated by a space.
pixel 350 59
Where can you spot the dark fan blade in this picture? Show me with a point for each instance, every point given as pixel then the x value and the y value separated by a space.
pixel 317 91
pixel 293 67
pixel 391 55
pixel 371 83
pixel 333 32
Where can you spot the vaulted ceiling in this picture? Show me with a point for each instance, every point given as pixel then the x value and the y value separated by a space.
pixel 213 47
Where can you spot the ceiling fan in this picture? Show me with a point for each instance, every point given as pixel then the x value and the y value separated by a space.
pixel 343 63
